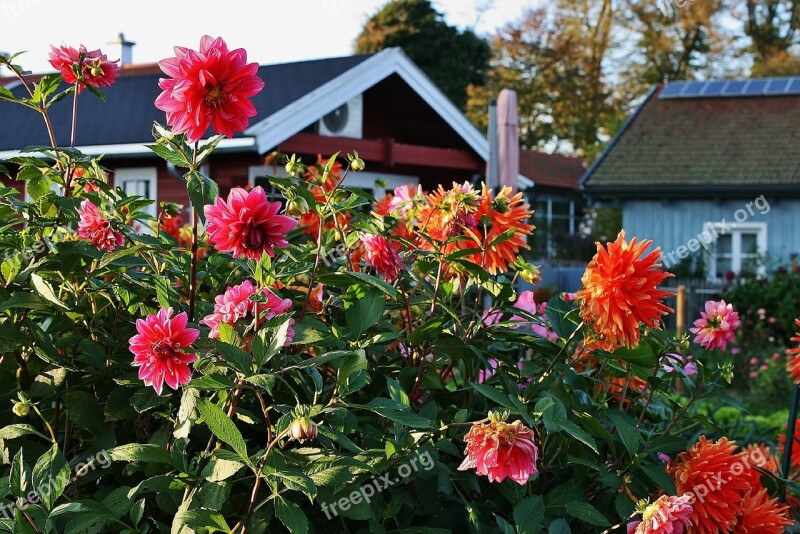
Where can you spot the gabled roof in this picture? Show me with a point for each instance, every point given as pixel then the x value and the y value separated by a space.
pixel 551 170
pixel 693 136
pixel 297 95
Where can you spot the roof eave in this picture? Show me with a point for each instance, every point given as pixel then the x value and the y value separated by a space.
pixel 692 191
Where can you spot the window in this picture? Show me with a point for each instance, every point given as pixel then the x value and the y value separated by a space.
pixel 555 219
pixel 139 181
pixel 736 249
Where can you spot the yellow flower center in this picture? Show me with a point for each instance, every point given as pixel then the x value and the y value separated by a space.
pixel 214 96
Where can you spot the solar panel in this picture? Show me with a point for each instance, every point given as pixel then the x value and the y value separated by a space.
pixel 732 88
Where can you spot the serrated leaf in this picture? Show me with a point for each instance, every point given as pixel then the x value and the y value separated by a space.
pixel 587 513
pixel 222 427
pixel 235 357
pixel 109 257
pixel 15 431
pixel 529 514
pixel 51 474
pixel 140 452
pixel 291 516
pixel 493 394
pixel 367 311
pixel 211 383
pixel 399 413
pixel 202 191
pixel 46 290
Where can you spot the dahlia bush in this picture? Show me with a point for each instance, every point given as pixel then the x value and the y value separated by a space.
pixel 332 362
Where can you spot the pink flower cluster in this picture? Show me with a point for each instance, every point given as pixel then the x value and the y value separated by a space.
pixel 382 255
pixel 500 450
pixel 527 303
pixel 94 67
pixel 235 305
pixel 96 228
pixel 716 326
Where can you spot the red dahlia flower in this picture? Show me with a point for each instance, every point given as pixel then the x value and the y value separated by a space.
pixel 382 254
pixel 94 67
pixel 248 224
pixel 208 87
pixel 156 349
pixel 499 450
pixel 96 228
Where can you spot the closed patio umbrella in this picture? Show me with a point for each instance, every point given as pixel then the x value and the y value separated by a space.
pixel 508 139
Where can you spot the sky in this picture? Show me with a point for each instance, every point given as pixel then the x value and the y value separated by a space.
pixel 271 31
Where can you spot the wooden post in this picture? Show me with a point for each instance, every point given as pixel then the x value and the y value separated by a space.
pixel 680 311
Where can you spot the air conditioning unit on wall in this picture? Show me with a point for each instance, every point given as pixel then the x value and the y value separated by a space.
pixel 344 121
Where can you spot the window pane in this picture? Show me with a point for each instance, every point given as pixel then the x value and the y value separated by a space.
pixel 749 243
pixel 724 244
pixel 723 267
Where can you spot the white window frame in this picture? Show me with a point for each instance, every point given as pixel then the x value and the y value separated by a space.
pixel 735 231
pixel 362 179
pixel 149 174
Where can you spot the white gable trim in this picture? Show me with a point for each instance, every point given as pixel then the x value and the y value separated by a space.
pixel 286 122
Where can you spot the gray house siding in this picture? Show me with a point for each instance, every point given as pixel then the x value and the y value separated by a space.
pixel 672 224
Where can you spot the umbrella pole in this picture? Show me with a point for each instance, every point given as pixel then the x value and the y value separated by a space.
pixel 789 443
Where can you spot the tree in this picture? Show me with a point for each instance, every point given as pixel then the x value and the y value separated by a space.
pixel 774 28
pixel 453 59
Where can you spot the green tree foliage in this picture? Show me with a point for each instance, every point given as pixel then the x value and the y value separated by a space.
pixel 452 58
pixel 773 27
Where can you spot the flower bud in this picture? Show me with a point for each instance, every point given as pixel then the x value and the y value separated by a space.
pixel 530 273
pixel 303 429
pixel 297 206
pixel 357 164
pixel 21 409
pixel 171 209
pixel 501 204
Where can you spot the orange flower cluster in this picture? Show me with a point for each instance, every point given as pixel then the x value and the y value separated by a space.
pixel 794 364
pixel 729 496
pixel 620 293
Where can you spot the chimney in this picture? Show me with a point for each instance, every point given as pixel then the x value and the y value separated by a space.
pixel 120 48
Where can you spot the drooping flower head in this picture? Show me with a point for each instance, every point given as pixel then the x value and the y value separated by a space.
pixel 498 450
pixel 157 349
pixel 716 326
pixel 667 515
pixel 794 353
pixel 620 293
pixel 84 67
pixel 701 467
pixel 527 302
pixel 674 362
pixel 96 228
pixel 382 254
pixel 235 304
pixel 762 515
pixel 212 86
pixel 247 224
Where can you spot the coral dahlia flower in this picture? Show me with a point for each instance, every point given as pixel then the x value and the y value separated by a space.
pixel 499 450
pixel 157 349
pixel 382 254
pixel 709 469
pixel 446 213
pixel 794 364
pixel 94 67
pixel 668 515
pixel 620 293
pixel 212 86
pixel 96 228
pixel 762 515
pixel 716 326
pixel 247 224
pixel 495 216
pixel 235 304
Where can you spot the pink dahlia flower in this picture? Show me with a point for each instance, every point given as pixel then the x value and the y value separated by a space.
pixel 96 228
pixel 668 515
pixel 248 224
pixel 403 200
pixel 94 67
pixel 499 450
pixel 212 86
pixel 235 304
pixel 382 255
pixel 675 362
pixel 526 302
pixel 156 349
pixel 716 326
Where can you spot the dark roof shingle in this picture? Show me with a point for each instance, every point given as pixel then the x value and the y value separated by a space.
pixel 744 141
pixel 553 170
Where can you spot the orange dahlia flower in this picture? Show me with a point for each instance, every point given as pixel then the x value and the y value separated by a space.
pixel 494 217
pixel 762 515
pixel 620 293
pixel 795 460
pixel 708 470
pixel 794 364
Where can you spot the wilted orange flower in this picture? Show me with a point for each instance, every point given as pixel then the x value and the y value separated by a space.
pixel 794 365
pixel 494 217
pixel 699 471
pixel 762 515
pixel 620 293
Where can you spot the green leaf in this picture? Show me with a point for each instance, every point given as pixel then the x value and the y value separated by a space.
pixel 323 359
pixel 46 290
pixel 627 432
pixel 643 354
pixel 222 427
pixel 587 513
pixel 199 518
pixel 20 477
pixel 367 311
pixel 15 431
pixel 140 452
pixel 202 191
pixel 25 301
pixel 212 383
pixel 399 413
pixel 493 394
pixel 529 514
pixel 51 474
pixel 235 357
pixel 657 474
pixel 351 373
pixel 170 154
pixel 291 516
pixel 86 411
pixel 109 257
pixel 396 391
pixel 295 480
pixel 559 526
